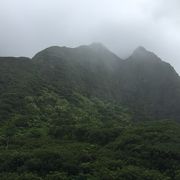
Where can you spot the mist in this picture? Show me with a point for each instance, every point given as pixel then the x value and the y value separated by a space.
pixel 30 26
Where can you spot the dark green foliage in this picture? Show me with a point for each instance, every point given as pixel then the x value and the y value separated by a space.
pixel 144 83
pixel 86 139
pixel 69 114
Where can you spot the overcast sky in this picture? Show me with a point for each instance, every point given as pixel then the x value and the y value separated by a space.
pixel 28 26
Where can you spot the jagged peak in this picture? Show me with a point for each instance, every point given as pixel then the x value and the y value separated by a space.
pixel 141 53
pixel 140 50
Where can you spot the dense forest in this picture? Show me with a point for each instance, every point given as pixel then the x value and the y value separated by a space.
pixel 83 113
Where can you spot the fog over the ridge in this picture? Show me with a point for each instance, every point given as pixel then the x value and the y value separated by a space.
pixel 28 26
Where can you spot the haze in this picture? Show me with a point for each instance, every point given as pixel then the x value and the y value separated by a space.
pixel 29 26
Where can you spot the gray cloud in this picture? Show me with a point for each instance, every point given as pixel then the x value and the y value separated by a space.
pixel 29 26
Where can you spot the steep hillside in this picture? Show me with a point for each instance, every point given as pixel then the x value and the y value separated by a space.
pixel 88 69
pixel 84 113
pixel 150 85
pixel 144 82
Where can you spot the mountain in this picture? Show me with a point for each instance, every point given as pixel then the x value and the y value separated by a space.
pixel 87 69
pixel 143 82
pixel 151 85
pixel 147 85
pixel 84 113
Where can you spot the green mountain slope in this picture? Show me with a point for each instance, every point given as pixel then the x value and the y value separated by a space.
pixel 143 82
pixel 84 113
pixel 151 86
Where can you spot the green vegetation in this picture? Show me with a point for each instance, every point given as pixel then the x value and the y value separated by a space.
pixel 71 114
pixel 82 138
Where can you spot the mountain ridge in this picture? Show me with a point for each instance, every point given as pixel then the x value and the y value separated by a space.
pixel 142 82
pixel 84 113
